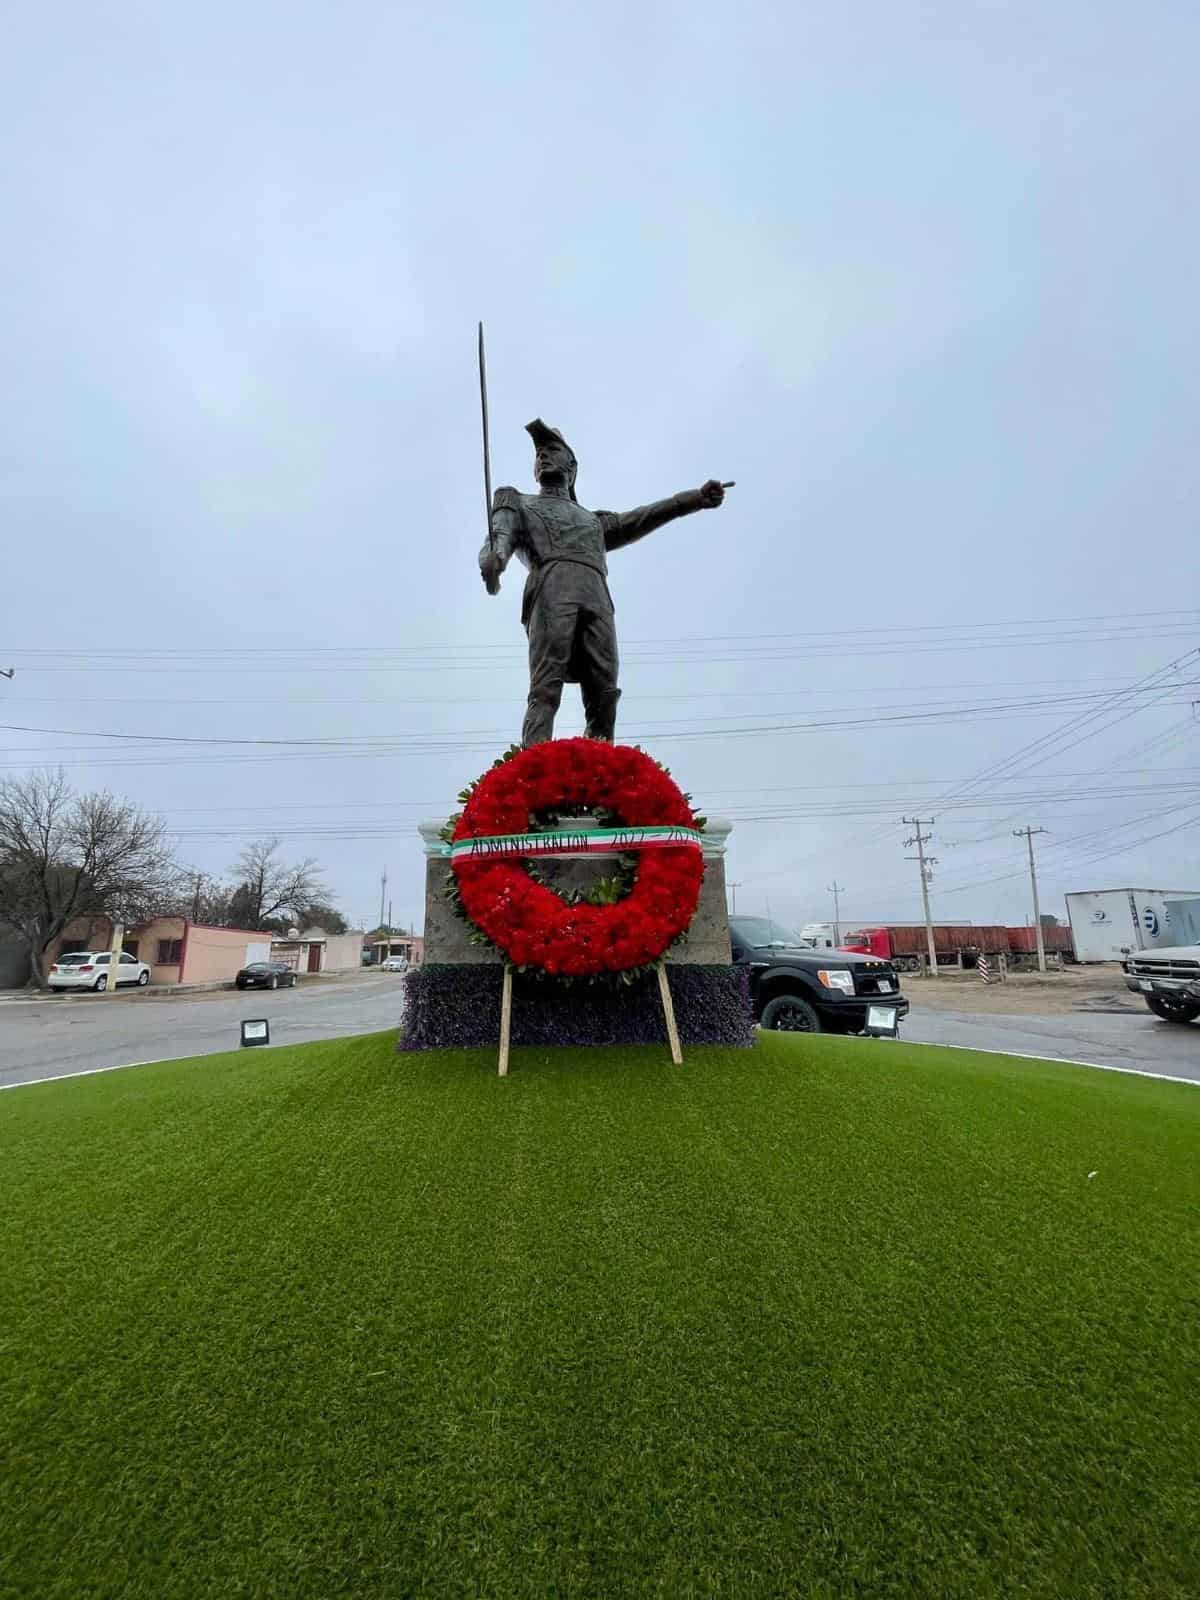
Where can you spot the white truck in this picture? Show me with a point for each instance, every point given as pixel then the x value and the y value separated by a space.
pixel 1108 923
pixel 1167 980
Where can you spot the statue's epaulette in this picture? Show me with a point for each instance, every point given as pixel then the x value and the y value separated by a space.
pixel 506 498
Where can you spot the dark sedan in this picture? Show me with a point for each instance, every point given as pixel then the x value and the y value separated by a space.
pixel 266 975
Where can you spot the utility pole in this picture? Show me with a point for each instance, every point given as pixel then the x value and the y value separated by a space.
pixel 733 889
pixel 196 897
pixel 1027 834
pixel 927 862
pixel 835 889
pixel 382 897
pixel 114 953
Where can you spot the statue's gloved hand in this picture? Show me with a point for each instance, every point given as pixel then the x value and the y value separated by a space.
pixel 490 568
pixel 712 493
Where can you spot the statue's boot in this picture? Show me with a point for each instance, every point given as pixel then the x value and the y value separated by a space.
pixel 601 709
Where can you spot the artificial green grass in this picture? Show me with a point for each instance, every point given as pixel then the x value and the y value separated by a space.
pixel 829 1317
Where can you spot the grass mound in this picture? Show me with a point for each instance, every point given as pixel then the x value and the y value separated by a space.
pixel 828 1317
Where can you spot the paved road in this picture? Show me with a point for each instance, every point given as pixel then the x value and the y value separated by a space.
pixel 53 1038
pixel 1136 1040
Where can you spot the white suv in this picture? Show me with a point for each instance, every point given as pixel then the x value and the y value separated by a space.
pixel 88 969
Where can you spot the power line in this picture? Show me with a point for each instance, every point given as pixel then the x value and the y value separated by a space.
pixel 1143 684
pixel 176 701
pixel 756 789
pixel 689 728
pixel 1079 860
pixel 1124 617
pixel 467 656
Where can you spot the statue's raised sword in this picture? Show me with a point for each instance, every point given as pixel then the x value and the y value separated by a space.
pixel 493 585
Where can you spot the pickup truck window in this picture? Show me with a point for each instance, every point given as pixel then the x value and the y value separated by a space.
pixel 762 931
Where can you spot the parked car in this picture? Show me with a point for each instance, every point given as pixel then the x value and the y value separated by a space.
pixel 395 964
pixel 1168 981
pixel 797 989
pixel 88 969
pixel 266 975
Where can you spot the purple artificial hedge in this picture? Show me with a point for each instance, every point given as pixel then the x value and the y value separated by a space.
pixel 459 1006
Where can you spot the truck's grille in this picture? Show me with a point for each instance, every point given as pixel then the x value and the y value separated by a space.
pixel 867 980
pixel 1147 967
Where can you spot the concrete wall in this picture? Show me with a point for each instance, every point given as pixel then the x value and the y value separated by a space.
pixel 147 947
pixel 210 955
pixel 216 955
pixel 343 952
pixel 14 964
pixel 92 933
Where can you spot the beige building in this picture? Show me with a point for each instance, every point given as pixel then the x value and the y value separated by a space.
pixel 179 950
pixel 409 945
pixel 318 951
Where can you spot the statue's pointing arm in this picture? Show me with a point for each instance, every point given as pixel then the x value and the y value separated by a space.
pixel 506 527
pixel 622 528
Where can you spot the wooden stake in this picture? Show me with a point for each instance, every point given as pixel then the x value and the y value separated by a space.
pixel 505 1019
pixel 668 1005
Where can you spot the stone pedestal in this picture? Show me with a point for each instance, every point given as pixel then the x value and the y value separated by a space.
pixel 448 936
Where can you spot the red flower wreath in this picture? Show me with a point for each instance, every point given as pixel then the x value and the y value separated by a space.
pixel 535 927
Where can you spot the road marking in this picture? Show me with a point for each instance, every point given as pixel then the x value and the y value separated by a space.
pixel 1056 1061
pixel 90 1072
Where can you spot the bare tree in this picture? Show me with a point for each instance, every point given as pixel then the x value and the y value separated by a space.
pixel 200 898
pixel 267 887
pixel 65 855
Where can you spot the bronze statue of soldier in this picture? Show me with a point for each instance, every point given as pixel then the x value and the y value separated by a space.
pixel 567 610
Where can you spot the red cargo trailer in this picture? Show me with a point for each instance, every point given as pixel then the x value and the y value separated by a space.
pixel 906 945
pixel 1055 941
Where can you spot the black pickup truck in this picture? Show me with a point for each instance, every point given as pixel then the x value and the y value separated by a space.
pixel 800 990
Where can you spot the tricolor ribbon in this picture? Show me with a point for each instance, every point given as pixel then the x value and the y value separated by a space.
pixel 571 842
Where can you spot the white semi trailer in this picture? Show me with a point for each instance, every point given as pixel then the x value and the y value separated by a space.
pixel 1107 922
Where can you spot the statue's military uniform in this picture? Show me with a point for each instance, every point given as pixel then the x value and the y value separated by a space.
pixel 567 609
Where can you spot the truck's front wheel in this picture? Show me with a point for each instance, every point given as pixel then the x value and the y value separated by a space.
pixel 1172 1010
pixel 787 1013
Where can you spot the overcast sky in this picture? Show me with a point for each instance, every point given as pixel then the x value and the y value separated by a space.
pixel 919 276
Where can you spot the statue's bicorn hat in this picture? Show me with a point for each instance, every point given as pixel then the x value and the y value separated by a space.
pixel 542 433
